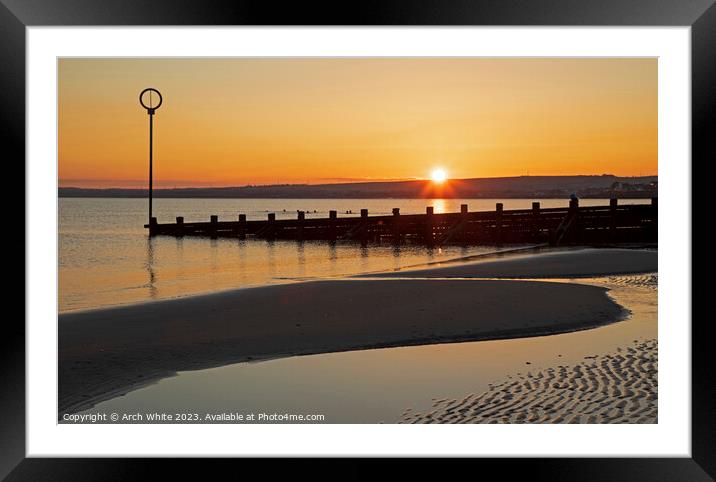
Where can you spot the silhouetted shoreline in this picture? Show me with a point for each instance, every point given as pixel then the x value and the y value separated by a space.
pixel 533 187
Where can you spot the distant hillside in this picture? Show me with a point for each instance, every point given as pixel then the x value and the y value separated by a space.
pixel 535 187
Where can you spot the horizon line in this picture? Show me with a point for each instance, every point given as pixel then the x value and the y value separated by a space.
pixel 209 185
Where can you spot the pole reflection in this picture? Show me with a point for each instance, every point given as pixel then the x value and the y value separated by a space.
pixel 149 266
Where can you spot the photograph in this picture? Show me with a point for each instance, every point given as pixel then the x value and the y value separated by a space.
pixel 357 240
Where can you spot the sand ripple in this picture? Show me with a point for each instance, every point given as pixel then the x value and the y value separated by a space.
pixel 616 388
pixel 649 280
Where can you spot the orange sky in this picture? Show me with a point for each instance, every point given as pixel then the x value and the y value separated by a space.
pixel 264 121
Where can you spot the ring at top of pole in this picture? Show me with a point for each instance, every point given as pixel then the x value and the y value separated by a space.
pixel 150 108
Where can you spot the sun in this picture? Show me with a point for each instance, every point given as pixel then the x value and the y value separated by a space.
pixel 438 175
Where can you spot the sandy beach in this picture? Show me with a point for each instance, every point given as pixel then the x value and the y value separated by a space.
pixel 107 352
pixel 575 263
pixel 619 387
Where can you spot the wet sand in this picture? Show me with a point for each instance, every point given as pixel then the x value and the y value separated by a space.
pixel 621 387
pixel 109 351
pixel 602 384
pixel 550 264
pixel 104 353
pixel 377 386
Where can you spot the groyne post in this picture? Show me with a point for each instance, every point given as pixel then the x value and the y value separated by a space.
pixel 574 213
pixel 152 226
pixel 536 224
pixel 396 225
pixel 498 223
pixel 271 228
pixel 242 226
pixel 332 216
pixel 429 238
pixel 214 220
pixel 613 203
pixel 301 219
pixel 461 231
pixel 180 226
pixel 364 226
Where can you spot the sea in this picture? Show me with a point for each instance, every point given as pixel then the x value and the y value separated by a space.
pixel 105 257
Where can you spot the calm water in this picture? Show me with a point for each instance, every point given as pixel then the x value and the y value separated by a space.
pixel 106 258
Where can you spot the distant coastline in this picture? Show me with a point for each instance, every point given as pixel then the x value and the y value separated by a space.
pixel 534 187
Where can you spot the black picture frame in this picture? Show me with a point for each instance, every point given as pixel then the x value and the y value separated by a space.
pixel 16 15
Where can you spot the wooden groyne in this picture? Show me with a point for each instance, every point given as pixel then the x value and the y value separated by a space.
pixel 572 224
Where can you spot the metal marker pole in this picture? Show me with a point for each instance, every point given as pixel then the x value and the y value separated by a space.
pixel 151 125
pixel 150 110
